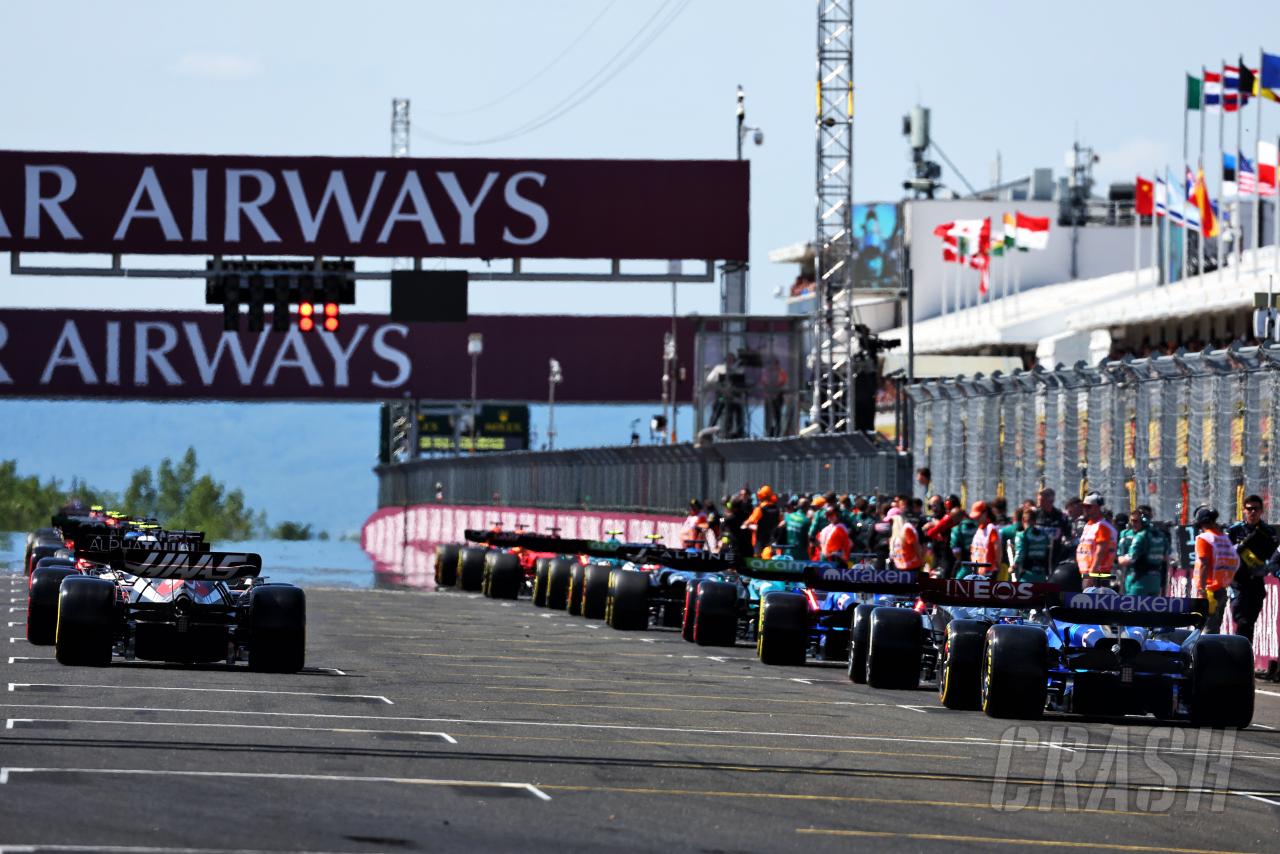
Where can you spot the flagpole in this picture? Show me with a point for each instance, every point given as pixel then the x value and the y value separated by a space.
pixel 1155 231
pixel 1137 228
pixel 1222 119
pixel 1182 180
pixel 1236 223
pixel 1257 195
pixel 1199 173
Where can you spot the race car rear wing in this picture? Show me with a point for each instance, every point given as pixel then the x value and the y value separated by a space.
pixel 635 552
pixel 1124 610
pixel 982 592
pixel 184 564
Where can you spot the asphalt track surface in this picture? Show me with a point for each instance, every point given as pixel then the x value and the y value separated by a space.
pixel 445 721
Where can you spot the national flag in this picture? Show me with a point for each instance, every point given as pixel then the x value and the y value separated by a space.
pixel 1212 89
pixel 1175 203
pixel 949 254
pixel 1144 197
pixel 1247 177
pixel 1194 93
pixel 1269 76
pixel 1010 231
pixel 1228 174
pixel 1161 197
pixel 1033 232
pixel 1209 225
pixel 1250 81
pixel 1268 161
pixel 1230 88
pixel 981 258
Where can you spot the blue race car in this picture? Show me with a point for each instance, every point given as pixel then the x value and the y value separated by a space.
pixel 1098 652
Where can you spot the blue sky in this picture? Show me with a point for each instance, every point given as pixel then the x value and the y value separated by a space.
pixel 318 77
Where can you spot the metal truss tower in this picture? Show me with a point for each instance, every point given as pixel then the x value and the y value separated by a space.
pixel 833 316
pixel 402 415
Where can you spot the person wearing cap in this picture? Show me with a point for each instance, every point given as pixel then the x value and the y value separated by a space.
pixel 1142 556
pixel 1256 542
pixel 796 524
pixel 905 549
pixel 1096 550
pixel 763 520
pixel 984 548
pixel 834 544
pixel 1215 567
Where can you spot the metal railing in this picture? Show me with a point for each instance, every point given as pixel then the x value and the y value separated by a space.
pixel 1171 431
pixel 648 478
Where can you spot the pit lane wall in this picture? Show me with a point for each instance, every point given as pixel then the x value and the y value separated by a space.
pixel 1266 634
pixel 401 541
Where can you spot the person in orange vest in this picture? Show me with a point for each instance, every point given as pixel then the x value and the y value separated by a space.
pixel 905 549
pixel 985 546
pixel 834 544
pixel 1215 568
pixel 763 520
pixel 1096 551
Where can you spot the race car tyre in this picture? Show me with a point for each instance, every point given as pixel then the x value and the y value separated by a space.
pixel 960 669
pixel 716 619
pixel 577 574
pixel 540 568
pixel 42 603
pixel 1015 672
pixel 859 641
pixel 277 628
pixel 558 583
pixel 783 637
pixel 506 576
pixel 893 655
pixel 1222 681
pixel 595 591
pixel 471 569
pixel 86 621
pixel 447 565
pixel 486 572
pixel 673 608
pixel 690 610
pixel 627 605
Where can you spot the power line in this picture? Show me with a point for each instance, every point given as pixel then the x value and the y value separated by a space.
pixel 620 61
pixel 529 81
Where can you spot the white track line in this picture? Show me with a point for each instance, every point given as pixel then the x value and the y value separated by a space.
pixel 13 659
pixel 15 685
pixel 443 736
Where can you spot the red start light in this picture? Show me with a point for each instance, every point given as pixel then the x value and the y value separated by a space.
pixel 306 324
pixel 331 324
pixel 305 309
pixel 331 309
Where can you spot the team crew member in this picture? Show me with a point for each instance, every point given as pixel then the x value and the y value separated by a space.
pixel 1096 551
pixel 693 534
pixel 763 520
pixel 905 549
pixel 1032 549
pixel 1216 565
pixel 797 526
pixel 1256 543
pixel 1143 555
pixel 985 545
pixel 833 540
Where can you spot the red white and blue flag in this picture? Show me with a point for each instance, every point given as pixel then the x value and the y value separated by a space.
pixel 1212 89
pixel 1246 177
pixel 1231 95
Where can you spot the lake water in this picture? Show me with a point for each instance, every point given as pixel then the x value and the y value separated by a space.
pixel 312 563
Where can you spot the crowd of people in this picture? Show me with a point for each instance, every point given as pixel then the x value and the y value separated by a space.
pixel 1131 552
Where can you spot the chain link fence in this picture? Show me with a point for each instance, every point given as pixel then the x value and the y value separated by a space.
pixel 1169 431
pixel 653 478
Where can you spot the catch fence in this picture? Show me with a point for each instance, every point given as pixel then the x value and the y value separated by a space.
pixel 1173 432
pixel 648 478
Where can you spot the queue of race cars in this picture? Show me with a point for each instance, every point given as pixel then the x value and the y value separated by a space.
pixel 101 586
pixel 1012 649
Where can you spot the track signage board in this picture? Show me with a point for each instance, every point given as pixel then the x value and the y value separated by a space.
pixel 177 204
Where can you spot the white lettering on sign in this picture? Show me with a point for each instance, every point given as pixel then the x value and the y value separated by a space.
pixel 466 207
pixel 342 356
pixel 144 354
pixel 4 339
pixel 228 342
pixel 4 226
pixel 411 189
pixel 336 190
pixel 199 204
pixel 113 352
pixel 534 211
pixel 301 360
pixel 69 351
pixel 251 209
pixel 149 185
pixel 392 355
pixel 51 205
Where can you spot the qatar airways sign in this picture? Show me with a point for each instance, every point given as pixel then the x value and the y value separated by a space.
pixel 169 355
pixel 368 206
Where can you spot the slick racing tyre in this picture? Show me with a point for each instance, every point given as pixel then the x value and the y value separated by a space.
pixel 577 574
pixel 277 628
pixel 1015 675
pixel 859 641
pixel 627 604
pixel 447 565
pixel 85 632
pixel 716 618
pixel 42 603
pixel 690 610
pixel 893 656
pixel 558 583
pixel 505 575
pixel 960 668
pixel 540 568
pixel 471 569
pixel 1222 681
pixel 783 636
pixel 595 590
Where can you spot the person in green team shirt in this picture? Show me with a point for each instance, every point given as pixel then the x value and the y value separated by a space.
pixel 1143 556
pixel 797 525
pixel 1032 547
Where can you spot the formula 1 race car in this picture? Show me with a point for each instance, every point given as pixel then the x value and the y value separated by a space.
pixel 1102 653
pixel 141 592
